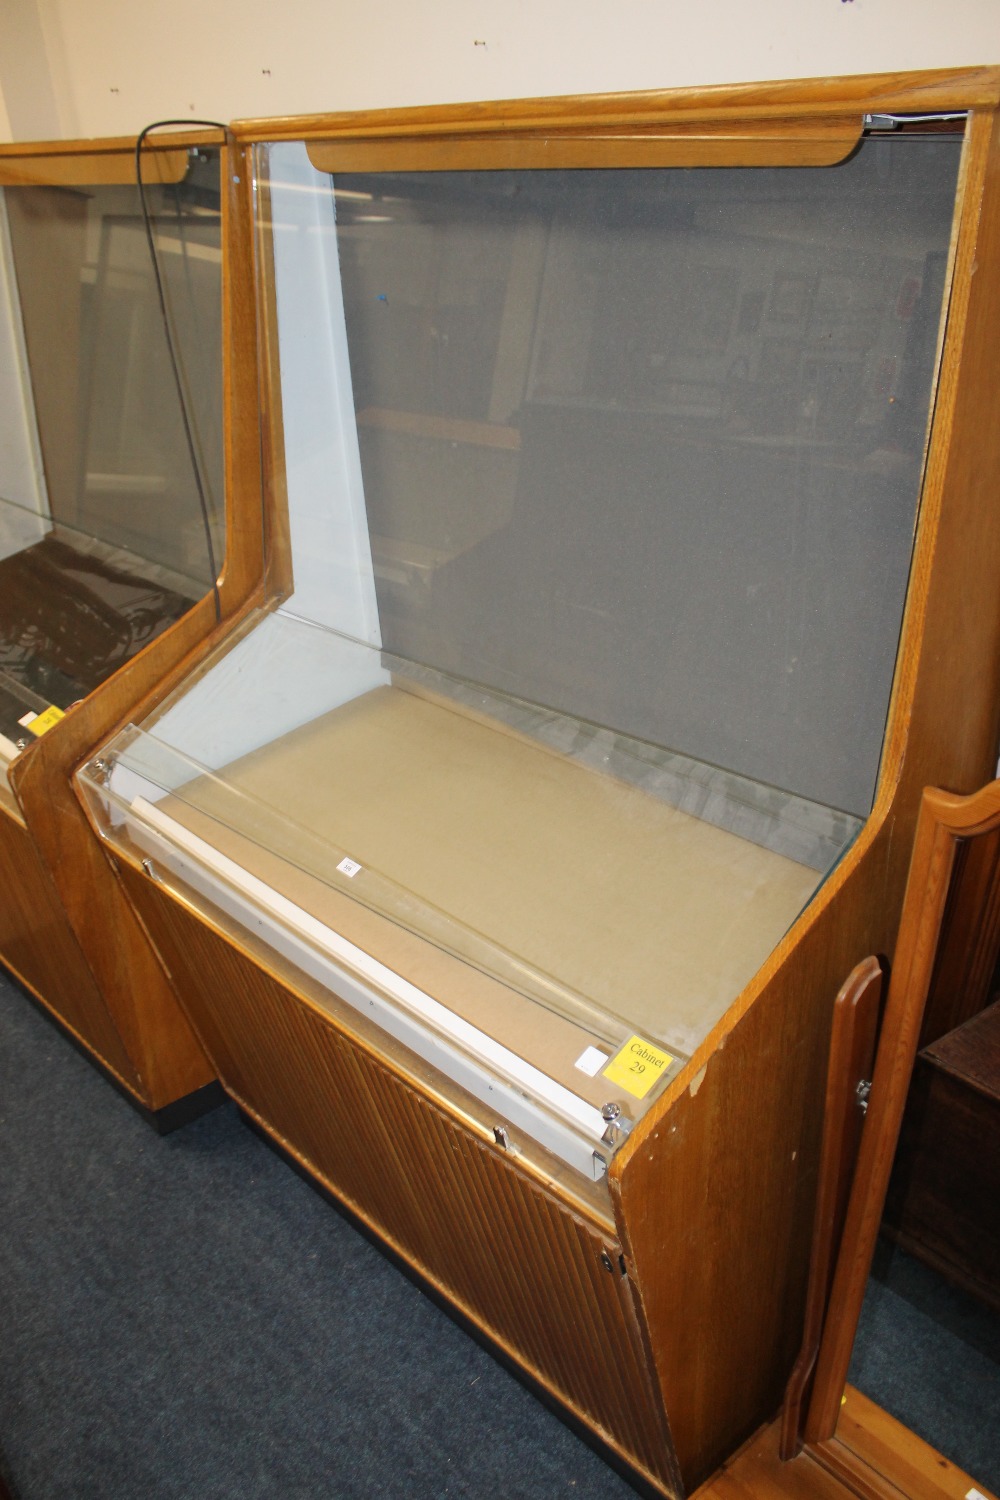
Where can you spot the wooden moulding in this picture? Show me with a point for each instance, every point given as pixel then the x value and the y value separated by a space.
pixel 134 1009
pixel 852 1049
pixel 276 521
pixel 794 142
pixel 101 162
pixel 799 99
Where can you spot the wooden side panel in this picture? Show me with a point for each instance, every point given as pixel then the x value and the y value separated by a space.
pixel 717 1204
pixel 513 1259
pixel 38 946
pixel 714 1191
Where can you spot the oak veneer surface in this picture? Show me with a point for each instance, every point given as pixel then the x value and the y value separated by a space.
pixel 875 1457
pixel 105 160
pixel 526 1270
pixel 817 144
pixel 879 1457
pixel 852 1050
pixel 733 1156
pixel 38 945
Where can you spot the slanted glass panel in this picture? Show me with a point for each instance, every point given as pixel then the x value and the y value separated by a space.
pixel 103 541
pixel 645 446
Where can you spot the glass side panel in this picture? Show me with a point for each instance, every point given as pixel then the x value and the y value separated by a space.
pixel 602 487
pixel 103 541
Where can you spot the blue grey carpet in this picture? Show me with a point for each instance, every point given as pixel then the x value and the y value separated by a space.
pixel 930 1355
pixel 185 1319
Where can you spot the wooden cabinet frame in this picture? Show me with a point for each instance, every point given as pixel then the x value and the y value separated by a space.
pixel 712 1195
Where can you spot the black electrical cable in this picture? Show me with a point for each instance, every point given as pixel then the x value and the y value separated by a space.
pixel 171 347
pixel 201 356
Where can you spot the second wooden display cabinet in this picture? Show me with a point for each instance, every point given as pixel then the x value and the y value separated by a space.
pixel 125 315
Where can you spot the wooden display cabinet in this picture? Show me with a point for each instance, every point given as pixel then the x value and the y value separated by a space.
pixel 633 537
pixel 105 573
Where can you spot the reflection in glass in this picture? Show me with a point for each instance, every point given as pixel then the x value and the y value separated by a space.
pixel 645 445
pixel 102 536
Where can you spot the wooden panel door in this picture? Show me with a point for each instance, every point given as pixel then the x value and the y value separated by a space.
pixel 541 1281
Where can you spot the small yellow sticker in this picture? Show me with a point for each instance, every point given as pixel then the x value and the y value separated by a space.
pixel 43 721
pixel 637 1066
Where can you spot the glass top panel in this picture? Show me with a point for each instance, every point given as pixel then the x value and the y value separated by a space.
pixel 103 540
pixel 618 883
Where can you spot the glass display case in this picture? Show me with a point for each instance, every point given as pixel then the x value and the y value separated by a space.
pixel 601 513
pixel 510 855
pixel 112 497
pixel 104 537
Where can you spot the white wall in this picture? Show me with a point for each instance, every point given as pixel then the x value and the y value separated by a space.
pixel 107 67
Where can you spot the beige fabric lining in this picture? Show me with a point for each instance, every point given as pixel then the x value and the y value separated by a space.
pixel 646 911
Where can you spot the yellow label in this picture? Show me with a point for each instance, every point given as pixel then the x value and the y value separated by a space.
pixel 45 720
pixel 637 1066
